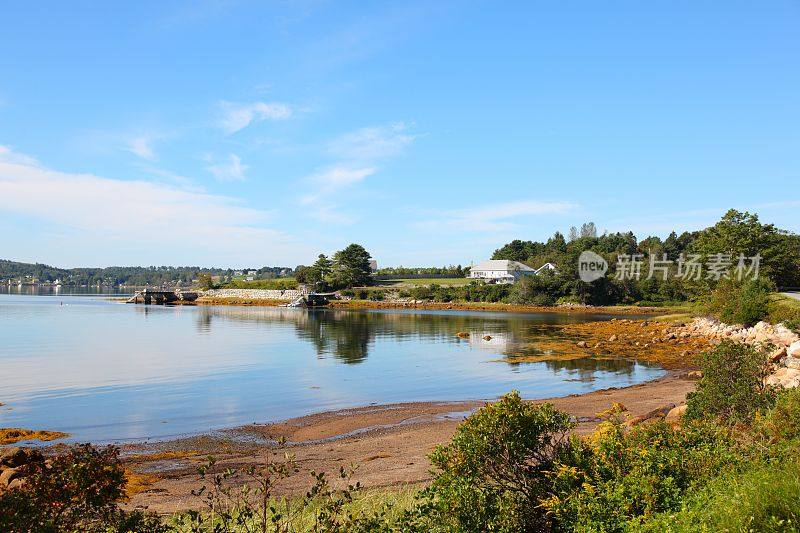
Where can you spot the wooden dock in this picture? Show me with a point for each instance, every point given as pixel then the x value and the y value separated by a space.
pixel 161 296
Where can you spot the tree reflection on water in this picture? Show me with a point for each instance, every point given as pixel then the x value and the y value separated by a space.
pixel 349 335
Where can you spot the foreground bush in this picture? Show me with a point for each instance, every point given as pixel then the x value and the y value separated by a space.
pixel 619 475
pixel 732 387
pixel 75 491
pixel 494 472
pixel 512 467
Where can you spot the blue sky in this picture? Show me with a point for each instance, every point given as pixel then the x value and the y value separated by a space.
pixel 262 133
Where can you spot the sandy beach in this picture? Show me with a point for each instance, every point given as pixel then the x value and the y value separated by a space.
pixel 388 443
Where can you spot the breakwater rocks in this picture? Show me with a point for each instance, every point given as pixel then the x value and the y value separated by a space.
pixel 781 342
pixel 251 294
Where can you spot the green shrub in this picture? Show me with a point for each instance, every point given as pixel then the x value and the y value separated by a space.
pixel 278 284
pixel 732 387
pixel 786 312
pixel 421 293
pixel 377 296
pixel 619 476
pixel 493 473
pixel 741 302
pixel 481 292
pixel 543 289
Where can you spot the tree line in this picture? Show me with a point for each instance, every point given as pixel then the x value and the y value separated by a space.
pixel 115 275
pixel 735 234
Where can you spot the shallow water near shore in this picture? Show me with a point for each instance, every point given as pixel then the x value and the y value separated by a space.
pixel 105 371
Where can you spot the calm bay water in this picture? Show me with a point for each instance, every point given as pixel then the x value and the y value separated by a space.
pixel 102 370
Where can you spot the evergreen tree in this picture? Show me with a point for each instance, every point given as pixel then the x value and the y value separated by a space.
pixel 321 269
pixel 351 267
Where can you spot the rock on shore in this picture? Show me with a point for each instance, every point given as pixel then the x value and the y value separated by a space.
pixel 13 461
pixel 783 345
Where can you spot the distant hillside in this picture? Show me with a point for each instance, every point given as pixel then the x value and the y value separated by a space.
pixel 14 270
pixel 30 272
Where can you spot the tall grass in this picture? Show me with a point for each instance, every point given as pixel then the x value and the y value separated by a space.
pixel 300 514
pixel 763 498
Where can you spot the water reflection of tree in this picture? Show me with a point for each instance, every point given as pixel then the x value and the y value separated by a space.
pixel 349 335
pixel 204 320
pixel 345 336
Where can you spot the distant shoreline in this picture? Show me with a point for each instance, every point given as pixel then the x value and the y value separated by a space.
pixel 446 306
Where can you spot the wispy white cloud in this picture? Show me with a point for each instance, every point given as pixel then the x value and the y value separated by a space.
pixel 142 146
pixel 167 175
pixel 493 217
pixel 325 186
pixel 337 177
pixel 372 143
pixel 99 211
pixel 330 214
pixel 232 169
pixel 360 153
pixel 139 141
pixel 237 116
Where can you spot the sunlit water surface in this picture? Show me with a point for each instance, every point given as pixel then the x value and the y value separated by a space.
pixel 104 371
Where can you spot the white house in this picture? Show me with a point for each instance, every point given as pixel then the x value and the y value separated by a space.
pixel 500 271
pixel 505 271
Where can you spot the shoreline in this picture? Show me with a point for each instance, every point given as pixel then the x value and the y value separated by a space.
pixel 391 442
pixel 621 310
pixel 388 442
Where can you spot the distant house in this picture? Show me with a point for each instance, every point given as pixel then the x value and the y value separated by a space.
pixel 504 271
pixel 545 267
